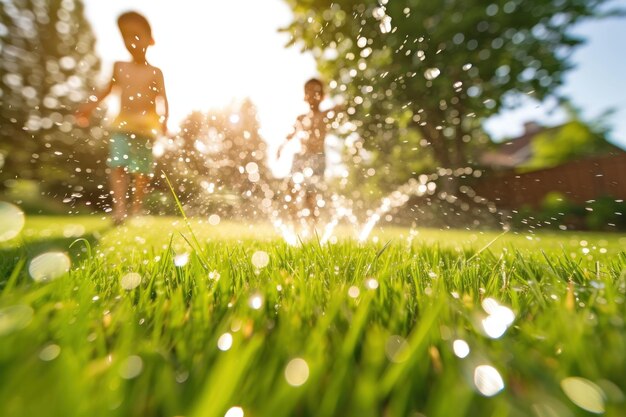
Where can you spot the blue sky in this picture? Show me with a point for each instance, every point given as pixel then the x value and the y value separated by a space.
pixel 597 84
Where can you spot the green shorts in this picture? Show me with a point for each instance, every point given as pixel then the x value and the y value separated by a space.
pixel 130 151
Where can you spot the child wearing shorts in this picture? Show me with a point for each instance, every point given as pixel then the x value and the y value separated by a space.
pixel 311 128
pixel 143 115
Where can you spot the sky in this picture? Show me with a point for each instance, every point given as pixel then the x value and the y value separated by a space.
pixel 595 85
pixel 215 51
pixel 212 52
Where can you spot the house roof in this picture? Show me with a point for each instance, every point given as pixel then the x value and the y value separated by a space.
pixel 517 151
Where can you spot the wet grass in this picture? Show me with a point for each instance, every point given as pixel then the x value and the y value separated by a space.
pixel 374 323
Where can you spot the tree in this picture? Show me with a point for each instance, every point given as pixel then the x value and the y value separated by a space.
pixel 573 140
pixel 242 151
pixel 219 153
pixel 423 74
pixel 48 66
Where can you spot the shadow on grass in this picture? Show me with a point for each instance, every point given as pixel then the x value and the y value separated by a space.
pixel 11 257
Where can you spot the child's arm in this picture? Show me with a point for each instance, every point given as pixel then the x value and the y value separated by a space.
pixel 163 96
pixel 84 111
pixel 294 130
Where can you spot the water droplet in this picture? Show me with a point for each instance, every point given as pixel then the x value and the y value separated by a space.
pixel 49 266
pixel 234 412
pixel 298 178
pixel 353 292
pixel 597 284
pixel 385 24
pixel 181 260
pixel 498 320
pixel 297 372
pixel 493 327
pixel 584 394
pixel 15 318
pixel 214 219
pixel 256 301
pixel 11 221
pixel 487 380
pixel 50 352
pixel 489 305
pixel 130 281
pixel 461 348
pixel 371 284
pixel 252 168
pixel 260 259
pixel 379 13
pixel 225 342
pixel 182 376
pixel 432 73
pixel 131 367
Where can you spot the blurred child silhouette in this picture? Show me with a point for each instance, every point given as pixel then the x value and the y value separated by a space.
pixel 142 117
pixel 311 128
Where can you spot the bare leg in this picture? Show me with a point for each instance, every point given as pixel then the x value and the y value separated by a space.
pixel 311 203
pixel 119 186
pixel 292 205
pixel 139 191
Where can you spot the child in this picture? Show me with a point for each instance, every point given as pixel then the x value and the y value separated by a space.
pixel 311 128
pixel 141 88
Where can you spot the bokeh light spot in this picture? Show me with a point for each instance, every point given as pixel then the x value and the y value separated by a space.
pixel 297 372
pixel 11 221
pixel 130 281
pixel 49 266
pixel 260 259
pixel 487 380
pixel 584 394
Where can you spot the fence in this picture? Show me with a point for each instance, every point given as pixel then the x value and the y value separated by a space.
pixel 580 181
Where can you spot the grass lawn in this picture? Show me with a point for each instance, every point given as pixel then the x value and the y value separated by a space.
pixel 154 320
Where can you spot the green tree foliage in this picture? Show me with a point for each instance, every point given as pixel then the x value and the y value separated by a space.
pixel 423 75
pixel 219 156
pixel 571 141
pixel 47 67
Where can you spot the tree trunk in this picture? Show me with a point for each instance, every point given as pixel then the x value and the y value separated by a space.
pixel 438 143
